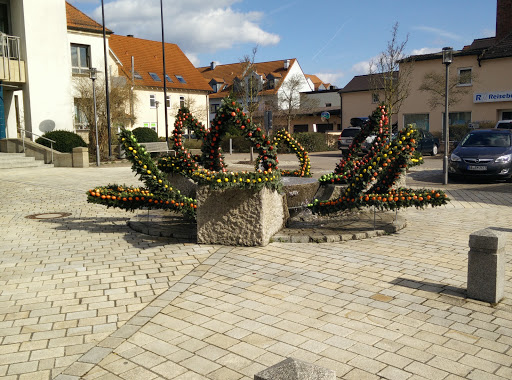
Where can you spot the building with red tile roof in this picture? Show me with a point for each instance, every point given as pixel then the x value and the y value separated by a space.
pixel 271 79
pixel 185 85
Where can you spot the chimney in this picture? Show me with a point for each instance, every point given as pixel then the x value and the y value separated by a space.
pixel 213 65
pixel 286 64
pixel 129 35
pixel 503 19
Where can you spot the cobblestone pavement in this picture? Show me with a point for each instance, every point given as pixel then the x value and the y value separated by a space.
pixel 84 296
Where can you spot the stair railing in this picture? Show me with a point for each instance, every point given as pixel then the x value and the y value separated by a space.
pixel 35 134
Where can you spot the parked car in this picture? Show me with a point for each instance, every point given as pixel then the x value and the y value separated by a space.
pixel 358 121
pixel 346 137
pixel 483 153
pixel 504 124
pixel 427 143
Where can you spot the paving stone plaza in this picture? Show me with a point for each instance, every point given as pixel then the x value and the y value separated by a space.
pixel 83 296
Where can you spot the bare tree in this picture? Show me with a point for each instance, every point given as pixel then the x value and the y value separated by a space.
pixel 434 84
pixel 200 111
pixel 248 86
pixel 386 80
pixel 288 104
pixel 120 95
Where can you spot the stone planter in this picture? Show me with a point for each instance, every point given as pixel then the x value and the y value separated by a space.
pixel 185 185
pixel 239 217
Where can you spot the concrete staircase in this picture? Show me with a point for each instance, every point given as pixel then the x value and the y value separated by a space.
pixel 19 160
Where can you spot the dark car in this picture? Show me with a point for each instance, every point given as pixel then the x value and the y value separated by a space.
pixel 427 144
pixel 483 153
pixel 346 137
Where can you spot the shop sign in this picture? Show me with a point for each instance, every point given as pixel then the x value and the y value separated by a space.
pixel 498 96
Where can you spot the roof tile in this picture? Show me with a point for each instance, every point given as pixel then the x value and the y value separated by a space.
pixel 148 58
pixel 230 71
pixel 77 20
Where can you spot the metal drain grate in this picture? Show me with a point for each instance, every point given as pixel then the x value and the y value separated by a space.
pixel 49 215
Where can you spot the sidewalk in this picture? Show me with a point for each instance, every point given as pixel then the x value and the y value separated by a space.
pixel 84 296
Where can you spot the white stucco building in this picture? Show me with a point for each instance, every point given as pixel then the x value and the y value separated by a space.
pixel 49 45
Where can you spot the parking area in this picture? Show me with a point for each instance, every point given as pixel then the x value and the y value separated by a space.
pixel 84 297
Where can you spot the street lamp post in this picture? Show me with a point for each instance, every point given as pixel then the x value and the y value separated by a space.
pixel 447 59
pixel 106 82
pixel 156 105
pixel 92 76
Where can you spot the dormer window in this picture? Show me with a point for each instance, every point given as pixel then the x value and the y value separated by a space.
pixel 168 78
pixel 180 79
pixel 136 75
pixel 154 76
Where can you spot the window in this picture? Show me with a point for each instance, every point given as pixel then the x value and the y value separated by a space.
pixel 214 108
pixel 152 101
pixel 328 104
pixel 322 128
pixel 168 78
pixel 168 101
pixel 154 76
pixel 80 58
pixel 458 118
pixel 300 128
pixel 182 101
pixel 421 120
pixel 136 75
pixel 375 98
pixel 180 79
pixel 80 120
pixel 465 77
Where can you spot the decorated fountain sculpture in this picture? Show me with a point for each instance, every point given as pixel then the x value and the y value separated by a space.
pixel 248 207
pixel 373 180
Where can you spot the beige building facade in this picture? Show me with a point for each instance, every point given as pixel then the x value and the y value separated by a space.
pixel 486 96
pixel 481 73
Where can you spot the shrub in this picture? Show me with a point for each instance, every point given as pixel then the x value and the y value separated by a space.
pixel 65 141
pixel 192 144
pixel 143 134
pixel 457 132
pixel 311 141
pixel 240 144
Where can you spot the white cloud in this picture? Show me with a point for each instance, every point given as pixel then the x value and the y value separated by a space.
pixel 362 67
pixel 438 32
pixel 193 58
pixel 197 26
pixel 331 78
pixel 425 50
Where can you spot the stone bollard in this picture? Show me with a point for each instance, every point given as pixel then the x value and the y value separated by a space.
pixel 80 157
pixel 293 369
pixel 486 265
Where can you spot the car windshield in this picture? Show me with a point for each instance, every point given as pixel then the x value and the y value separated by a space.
pixel 350 132
pixel 505 125
pixel 487 139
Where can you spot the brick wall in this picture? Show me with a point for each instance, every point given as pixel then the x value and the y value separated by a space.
pixel 503 18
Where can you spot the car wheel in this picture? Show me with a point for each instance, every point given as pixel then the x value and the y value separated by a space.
pixel 434 150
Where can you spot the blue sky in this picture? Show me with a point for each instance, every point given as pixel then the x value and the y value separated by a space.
pixel 334 39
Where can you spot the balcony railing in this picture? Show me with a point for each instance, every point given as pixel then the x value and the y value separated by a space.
pixel 12 68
